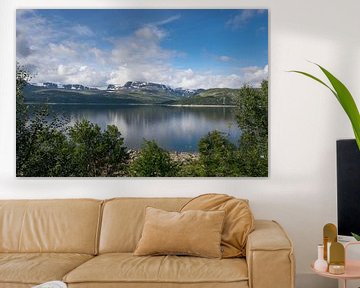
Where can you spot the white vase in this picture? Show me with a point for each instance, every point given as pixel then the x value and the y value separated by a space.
pixel 320 264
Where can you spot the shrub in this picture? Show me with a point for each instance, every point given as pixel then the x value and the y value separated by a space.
pixel 218 156
pixel 191 169
pixel 97 153
pixel 153 161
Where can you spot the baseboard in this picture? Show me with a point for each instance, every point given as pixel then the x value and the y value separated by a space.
pixel 309 280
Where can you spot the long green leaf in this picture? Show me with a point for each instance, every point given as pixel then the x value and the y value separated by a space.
pixel 347 102
pixel 316 79
pixel 357 237
pixel 344 97
pixel 357 137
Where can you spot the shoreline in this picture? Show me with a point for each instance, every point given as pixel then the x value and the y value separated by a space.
pixel 133 104
pixel 182 157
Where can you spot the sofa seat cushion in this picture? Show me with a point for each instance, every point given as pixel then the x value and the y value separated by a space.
pixel 36 268
pixel 127 268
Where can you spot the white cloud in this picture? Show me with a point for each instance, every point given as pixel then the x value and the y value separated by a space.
pixel 254 75
pixel 224 58
pixel 62 50
pixel 22 45
pixel 36 29
pixel 141 48
pixel 138 57
pixel 168 20
pixel 77 74
pixel 82 30
pixel 213 80
pixel 187 78
pixel 66 70
pixel 243 17
pixel 41 50
pixel 152 33
pixel 23 12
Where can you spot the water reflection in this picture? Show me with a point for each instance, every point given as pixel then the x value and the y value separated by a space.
pixel 174 128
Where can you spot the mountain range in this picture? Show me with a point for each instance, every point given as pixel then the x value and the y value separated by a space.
pixel 132 92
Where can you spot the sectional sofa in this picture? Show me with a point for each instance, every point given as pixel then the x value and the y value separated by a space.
pixel 90 243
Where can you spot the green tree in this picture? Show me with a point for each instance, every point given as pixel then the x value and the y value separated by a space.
pixel 22 134
pixel 49 154
pixel 191 169
pixel 252 118
pixel 37 140
pixel 153 161
pixel 97 153
pixel 218 156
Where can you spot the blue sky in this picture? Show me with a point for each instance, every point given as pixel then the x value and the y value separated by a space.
pixel 180 48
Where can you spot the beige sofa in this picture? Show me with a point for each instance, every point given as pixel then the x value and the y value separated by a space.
pixel 89 243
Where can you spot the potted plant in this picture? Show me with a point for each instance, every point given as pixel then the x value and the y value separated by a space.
pixel 345 99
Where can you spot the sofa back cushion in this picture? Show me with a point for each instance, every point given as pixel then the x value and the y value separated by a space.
pixel 193 232
pixel 123 220
pixel 66 226
pixel 238 224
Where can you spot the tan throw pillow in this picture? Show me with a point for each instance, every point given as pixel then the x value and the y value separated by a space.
pixel 196 233
pixel 239 220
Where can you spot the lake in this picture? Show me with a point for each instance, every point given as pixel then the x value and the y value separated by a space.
pixel 174 128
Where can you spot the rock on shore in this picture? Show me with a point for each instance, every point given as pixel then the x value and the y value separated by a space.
pixel 181 157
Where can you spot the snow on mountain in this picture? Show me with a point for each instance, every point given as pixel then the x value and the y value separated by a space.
pixel 150 86
pixel 132 86
pixel 139 84
pixel 113 87
pixel 51 85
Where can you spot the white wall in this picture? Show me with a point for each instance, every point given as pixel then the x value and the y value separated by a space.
pixel 305 120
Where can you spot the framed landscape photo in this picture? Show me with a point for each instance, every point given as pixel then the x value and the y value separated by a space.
pixel 142 93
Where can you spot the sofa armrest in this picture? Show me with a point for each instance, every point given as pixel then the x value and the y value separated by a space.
pixel 269 256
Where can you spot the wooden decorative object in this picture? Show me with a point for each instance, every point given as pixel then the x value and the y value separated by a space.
pixel 330 236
